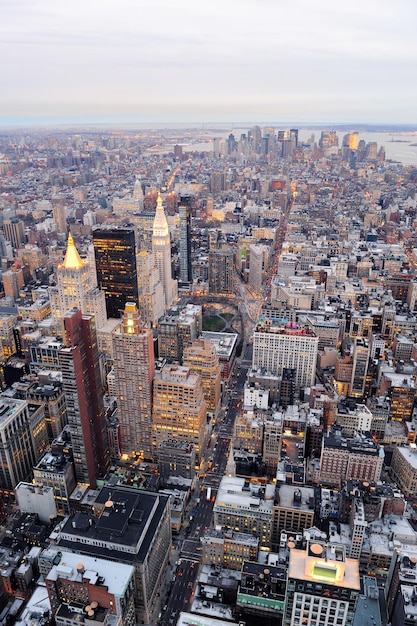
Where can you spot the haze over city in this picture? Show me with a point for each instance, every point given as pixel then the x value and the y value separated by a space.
pixel 192 62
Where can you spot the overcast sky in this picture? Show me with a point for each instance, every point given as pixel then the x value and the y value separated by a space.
pixel 209 61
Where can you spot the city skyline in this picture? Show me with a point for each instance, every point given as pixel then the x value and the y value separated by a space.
pixel 193 63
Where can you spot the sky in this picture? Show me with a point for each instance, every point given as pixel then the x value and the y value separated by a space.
pixel 225 61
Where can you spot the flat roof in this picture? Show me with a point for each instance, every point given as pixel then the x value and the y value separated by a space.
pixel 116 576
pixel 223 342
pixel 126 526
pixel 317 569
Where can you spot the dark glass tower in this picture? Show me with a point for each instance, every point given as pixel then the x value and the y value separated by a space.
pixel 115 255
pixel 185 239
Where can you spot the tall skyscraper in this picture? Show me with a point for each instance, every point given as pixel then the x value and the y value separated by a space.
pixel 179 408
pixel 185 239
pixel 79 362
pixel 151 302
pixel 161 247
pixel 134 368
pixel 115 254
pixel 74 289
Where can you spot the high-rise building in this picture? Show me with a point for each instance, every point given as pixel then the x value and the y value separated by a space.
pixel 360 366
pixel 14 231
pixel 130 526
pixel 59 214
pixel 179 407
pixel 75 290
pixel 161 247
pixel 221 270
pixel 151 302
pixel 79 362
pixel 323 586
pixel 134 368
pixel 278 345
pixel 185 239
pixel 23 440
pixel 115 254
pixel 201 357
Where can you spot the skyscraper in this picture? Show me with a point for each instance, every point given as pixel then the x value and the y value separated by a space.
pixel 74 289
pixel 221 270
pixel 115 254
pixel 151 301
pixel 179 408
pixel 134 368
pixel 161 247
pixel 79 362
pixel 202 358
pixel 14 231
pixel 185 239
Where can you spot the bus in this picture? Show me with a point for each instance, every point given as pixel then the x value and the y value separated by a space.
pixel 208 494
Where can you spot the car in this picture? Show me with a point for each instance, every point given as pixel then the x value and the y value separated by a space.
pixel 179 573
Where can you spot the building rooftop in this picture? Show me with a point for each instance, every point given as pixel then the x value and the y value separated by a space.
pixel 115 576
pixel 125 520
pixel 224 343
pixel 324 563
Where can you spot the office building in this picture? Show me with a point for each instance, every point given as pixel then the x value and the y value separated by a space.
pixel 115 255
pixel 176 458
pixel 323 586
pixel 14 231
pixel 36 499
pixel 125 526
pixel 355 458
pixel 89 590
pixel 79 362
pixel 201 357
pixel 49 393
pixel 56 470
pixel 278 344
pixel 404 468
pixel 245 507
pixel 151 300
pixel 185 239
pixel 161 247
pixel 293 512
pixel 134 368
pixel 228 549
pixel 59 214
pixel 168 339
pixel 74 289
pixel 179 407
pixel 22 439
pixel 178 329
pixel 258 264
pixel 220 270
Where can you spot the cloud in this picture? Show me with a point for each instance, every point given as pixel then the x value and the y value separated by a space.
pixel 191 56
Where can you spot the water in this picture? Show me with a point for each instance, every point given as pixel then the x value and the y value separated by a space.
pixel 398 150
pixel 398 146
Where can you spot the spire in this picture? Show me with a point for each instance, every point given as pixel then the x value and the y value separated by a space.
pixel 160 224
pixel 72 258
